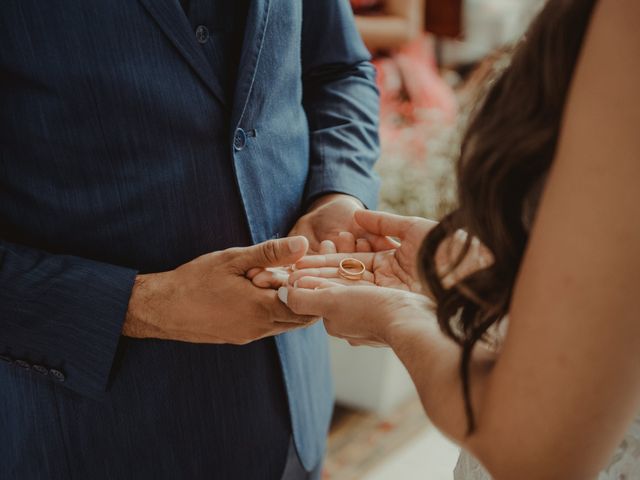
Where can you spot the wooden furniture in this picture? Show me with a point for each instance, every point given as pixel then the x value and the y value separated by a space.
pixel 443 18
pixel 399 22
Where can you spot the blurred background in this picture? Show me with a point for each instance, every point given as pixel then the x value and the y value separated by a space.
pixel 434 60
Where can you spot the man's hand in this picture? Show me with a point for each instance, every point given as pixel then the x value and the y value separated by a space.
pixel 329 226
pixel 327 217
pixel 210 300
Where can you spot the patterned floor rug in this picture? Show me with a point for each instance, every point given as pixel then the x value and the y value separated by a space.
pixel 359 441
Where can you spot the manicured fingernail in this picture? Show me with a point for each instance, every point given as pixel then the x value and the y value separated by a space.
pixel 297 244
pixel 283 293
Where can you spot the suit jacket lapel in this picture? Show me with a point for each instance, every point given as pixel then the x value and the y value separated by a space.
pixel 256 27
pixel 174 23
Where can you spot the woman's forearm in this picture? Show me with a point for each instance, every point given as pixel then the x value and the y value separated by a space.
pixel 433 362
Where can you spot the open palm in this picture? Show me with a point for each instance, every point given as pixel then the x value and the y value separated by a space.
pixel 393 268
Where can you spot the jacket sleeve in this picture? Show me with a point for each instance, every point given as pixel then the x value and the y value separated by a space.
pixel 61 316
pixel 341 102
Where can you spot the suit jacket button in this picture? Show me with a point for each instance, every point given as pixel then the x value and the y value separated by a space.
pixel 239 140
pixel 202 34
pixel 57 375
pixel 23 364
pixel 40 369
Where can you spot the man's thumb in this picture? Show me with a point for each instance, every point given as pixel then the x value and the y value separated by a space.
pixel 276 253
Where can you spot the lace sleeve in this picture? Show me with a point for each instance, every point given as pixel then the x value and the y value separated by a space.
pixel 624 465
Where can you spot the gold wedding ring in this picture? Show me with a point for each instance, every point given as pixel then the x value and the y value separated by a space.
pixel 351 269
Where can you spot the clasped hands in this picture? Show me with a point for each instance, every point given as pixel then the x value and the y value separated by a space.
pixel 212 298
pixel 240 295
pixel 361 311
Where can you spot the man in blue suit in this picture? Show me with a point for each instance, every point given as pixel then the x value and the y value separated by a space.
pixel 137 136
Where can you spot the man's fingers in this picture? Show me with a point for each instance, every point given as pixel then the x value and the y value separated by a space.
pixel 363 245
pixel 327 247
pixel 272 253
pixel 346 242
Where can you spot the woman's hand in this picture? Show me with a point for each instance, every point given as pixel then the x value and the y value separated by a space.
pixel 394 268
pixel 345 242
pixel 398 267
pixel 366 315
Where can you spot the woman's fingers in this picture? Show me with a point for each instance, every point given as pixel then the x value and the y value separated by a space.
pixel 320 272
pixel 328 272
pixel 270 278
pixel 316 302
pixel 379 243
pixel 253 272
pixel 361 315
pixel 313 283
pixel 262 279
pixel 383 223
pixel 356 342
pixel 333 260
pixel 319 282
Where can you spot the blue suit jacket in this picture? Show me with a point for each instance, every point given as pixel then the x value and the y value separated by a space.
pixel 120 153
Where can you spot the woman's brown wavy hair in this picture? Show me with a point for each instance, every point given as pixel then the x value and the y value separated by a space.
pixel 506 153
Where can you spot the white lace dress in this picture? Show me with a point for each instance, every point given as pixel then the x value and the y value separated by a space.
pixel 624 465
